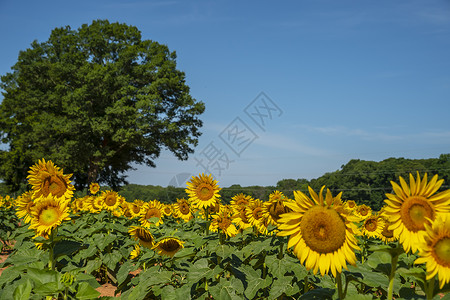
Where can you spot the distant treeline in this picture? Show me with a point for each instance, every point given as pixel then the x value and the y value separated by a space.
pixel 363 181
pixel 366 182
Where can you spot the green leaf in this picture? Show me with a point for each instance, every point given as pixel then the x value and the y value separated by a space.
pixel 282 286
pixel 103 241
pixel 124 271
pixel 66 247
pixel 227 289
pixel 112 259
pixel 85 291
pixel 23 291
pixel 319 294
pixel 199 270
pixel 224 251
pixel 43 276
pixel 254 281
pixel 49 288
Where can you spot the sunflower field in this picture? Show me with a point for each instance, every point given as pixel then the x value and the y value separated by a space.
pixel 315 246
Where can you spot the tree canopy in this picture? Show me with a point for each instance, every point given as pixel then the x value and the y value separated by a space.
pixel 95 100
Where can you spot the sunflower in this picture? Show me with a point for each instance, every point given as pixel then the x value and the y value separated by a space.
pixel 183 210
pixel 362 212
pixel 94 204
pixel 143 235
pixel 434 250
pixel 24 204
pixel 387 235
pixel 168 246
pixel 350 204
pixel 273 208
pixel 77 205
pixel 241 220
pixel 47 213
pixel 46 178
pixel 151 209
pixel 373 226
pixel 254 213
pixel 414 205
pixel 223 222
pixel 321 231
pixel 239 202
pixel 135 208
pixel 203 190
pixel 94 187
pixel 135 252
pixel 111 200
pixel 167 209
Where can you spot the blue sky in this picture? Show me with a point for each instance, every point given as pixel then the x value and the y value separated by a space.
pixel 330 80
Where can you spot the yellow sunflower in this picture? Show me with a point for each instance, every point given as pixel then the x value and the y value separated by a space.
pixel 350 204
pixel 414 205
pixel 321 231
pixel 111 200
pixel 182 210
pixel 434 251
pixel 223 222
pixel 168 246
pixel 24 203
pixel 95 204
pixel 143 235
pixel 254 213
pixel 167 209
pixel 46 178
pixel 47 213
pixel 373 226
pixel 203 191
pixel 362 211
pixel 135 252
pixel 94 187
pixel 273 208
pixel 151 209
pixel 135 208
pixel 241 220
pixel 239 202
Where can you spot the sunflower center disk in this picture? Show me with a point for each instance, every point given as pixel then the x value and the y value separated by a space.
pixel 49 216
pixel 224 223
pixel 323 229
pixel 442 252
pixel 153 212
pixel 204 192
pixel 386 232
pixel 184 208
pixel 257 213
pixel 277 209
pixel 414 212
pixel 54 185
pixel 110 200
pixel 170 245
pixel 136 209
pixel 371 225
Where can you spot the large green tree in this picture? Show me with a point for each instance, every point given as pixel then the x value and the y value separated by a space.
pixel 94 101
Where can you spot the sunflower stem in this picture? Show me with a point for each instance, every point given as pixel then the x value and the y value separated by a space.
pixel 221 237
pixel 305 286
pixel 207 220
pixel 430 288
pixel 394 259
pixel 339 285
pixel 364 250
pixel 51 261
pixel 280 253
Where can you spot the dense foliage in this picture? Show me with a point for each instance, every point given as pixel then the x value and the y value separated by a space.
pixel 96 100
pixel 366 182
